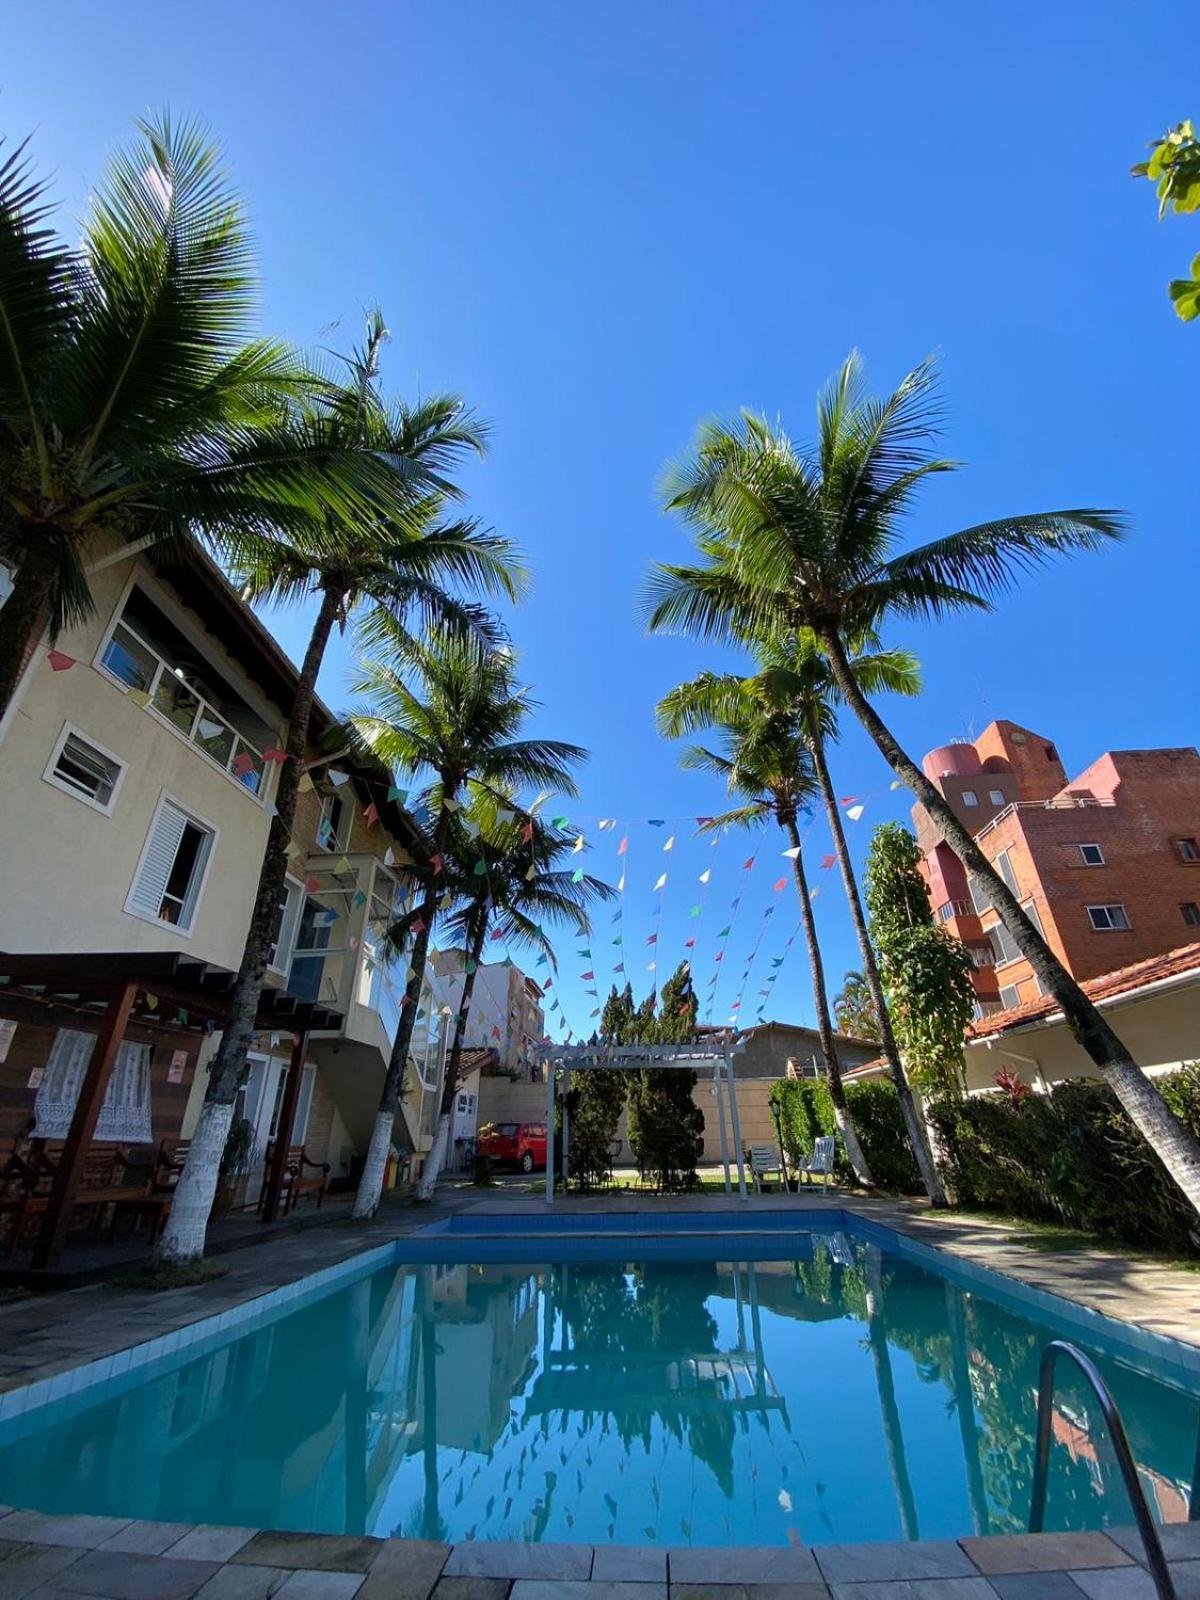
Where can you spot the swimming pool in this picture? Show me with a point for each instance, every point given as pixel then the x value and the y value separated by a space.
pixel 589 1384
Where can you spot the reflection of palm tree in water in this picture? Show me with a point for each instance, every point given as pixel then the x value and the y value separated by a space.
pixel 432 1526
pixel 892 1432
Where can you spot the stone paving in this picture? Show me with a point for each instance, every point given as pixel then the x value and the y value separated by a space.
pixel 51 1558
pixel 54 1558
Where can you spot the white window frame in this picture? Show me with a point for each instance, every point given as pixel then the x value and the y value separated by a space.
pixel 286 943
pixel 1014 990
pixel 1110 926
pixel 190 812
pixel 343 829
pixel 969 797
pixel 1186 850
pixel 1005 855
pixel 1091 845
pixel 1189 905
pixel 7 578
pixel 50 776
pixel 996 796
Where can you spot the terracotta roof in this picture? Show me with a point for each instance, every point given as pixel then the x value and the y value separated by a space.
pixel 1125 980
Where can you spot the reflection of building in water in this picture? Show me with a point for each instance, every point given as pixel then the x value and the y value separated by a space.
pixel 487 1324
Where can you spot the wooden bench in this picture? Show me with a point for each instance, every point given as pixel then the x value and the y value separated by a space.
pixel 296 1180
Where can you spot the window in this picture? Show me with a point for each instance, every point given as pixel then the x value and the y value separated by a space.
pixel 84 770
pixel 1091 854
pixel 128 659
pixel 1004 867
pixel 1191 913
pixel 1031 911
pixel 6 582
pixel 125 1114
pixel 969 797
pixel 982 955
pixel 996 796
pixel 1108 919
pixel 1010 997
pixel 170 875
pixel 332 822
pixel 291 903
pixel 1189 850
pixel 1003 945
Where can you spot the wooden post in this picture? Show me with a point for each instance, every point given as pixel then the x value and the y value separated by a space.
pixel 83 1125
pixel 283 1133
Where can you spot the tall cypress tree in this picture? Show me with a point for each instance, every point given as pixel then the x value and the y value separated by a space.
pixel 666 1126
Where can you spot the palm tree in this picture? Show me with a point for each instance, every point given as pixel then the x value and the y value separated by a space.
pixel 399 568
pixel 135 404
pixel 794 680
pixel 810 540
pixel 448 713
pixel 767 761
pixel 854 1009
pixel 519 890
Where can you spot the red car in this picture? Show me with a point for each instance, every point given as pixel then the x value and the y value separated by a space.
pixel 522 1142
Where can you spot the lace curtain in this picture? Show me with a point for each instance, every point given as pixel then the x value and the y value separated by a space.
pixel 125 1114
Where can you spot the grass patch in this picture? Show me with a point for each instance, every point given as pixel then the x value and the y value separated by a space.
pixel 1059 1239
pixel 153 1280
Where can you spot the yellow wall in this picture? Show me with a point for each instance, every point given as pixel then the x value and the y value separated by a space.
pixel 65 867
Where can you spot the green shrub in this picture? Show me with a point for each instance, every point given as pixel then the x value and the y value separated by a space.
pixel 807 1113
pixel 1071 1156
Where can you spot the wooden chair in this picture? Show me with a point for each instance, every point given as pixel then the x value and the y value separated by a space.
pixel 107 1180
pixel 296 1179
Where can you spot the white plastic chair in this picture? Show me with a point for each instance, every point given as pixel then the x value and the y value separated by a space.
pixel 763 1163
pixel 820 1163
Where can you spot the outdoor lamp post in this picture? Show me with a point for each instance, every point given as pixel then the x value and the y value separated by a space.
pixel 775 1104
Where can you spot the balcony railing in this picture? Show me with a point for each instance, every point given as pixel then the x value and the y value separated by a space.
pixel 128 658
pixel 955 908
pixel 1072 802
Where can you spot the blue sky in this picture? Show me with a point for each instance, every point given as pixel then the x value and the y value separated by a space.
pixel 603 222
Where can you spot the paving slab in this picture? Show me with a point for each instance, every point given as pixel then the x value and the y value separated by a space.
pixel 1180 1541
pixel 630 1563
pixel 405 1569
pixel 502 1558
pixel 923 1589
pixel 1044 1552
pixel 209 1542
pixel 78 1533
pixel 1116 1583
pixel 1186 1576
pixel 729 1564
pixel 119 1575
pixel 324 1552
pixel 314 1585
pixel 33 1565
pixel 471 1589
pixel 710 1591
pixel 148 1538
pixel 879 1563
pixel 243 1583
pixel 583 1589
pixel 1035 1586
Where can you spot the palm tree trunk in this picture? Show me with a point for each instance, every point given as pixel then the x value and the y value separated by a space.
pixel 183 1237
pixel 913 1123
pixel 1167 1137
pixel 833 1070
pixel 24 619
pixel 441 1137
pixel 370 1186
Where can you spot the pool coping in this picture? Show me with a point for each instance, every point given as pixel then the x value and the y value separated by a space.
pixel 105 1555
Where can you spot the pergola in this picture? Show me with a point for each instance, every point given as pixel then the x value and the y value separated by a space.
pixel 716 1053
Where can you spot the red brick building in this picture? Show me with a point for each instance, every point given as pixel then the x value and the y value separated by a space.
pixel 1108 864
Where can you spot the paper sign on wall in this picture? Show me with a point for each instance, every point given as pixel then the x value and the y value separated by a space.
pixel 35 1078
pixel 177 1067
pixel 7 1028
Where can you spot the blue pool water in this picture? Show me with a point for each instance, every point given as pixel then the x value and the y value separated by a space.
pixel 785 1386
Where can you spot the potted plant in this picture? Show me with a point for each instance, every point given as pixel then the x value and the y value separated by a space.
pixel 235 1162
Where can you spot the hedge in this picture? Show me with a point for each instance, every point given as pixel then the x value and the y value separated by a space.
pixel 1072 1156
pixel 807 1113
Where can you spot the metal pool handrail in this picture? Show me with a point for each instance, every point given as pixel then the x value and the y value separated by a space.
pixel 1156 1560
